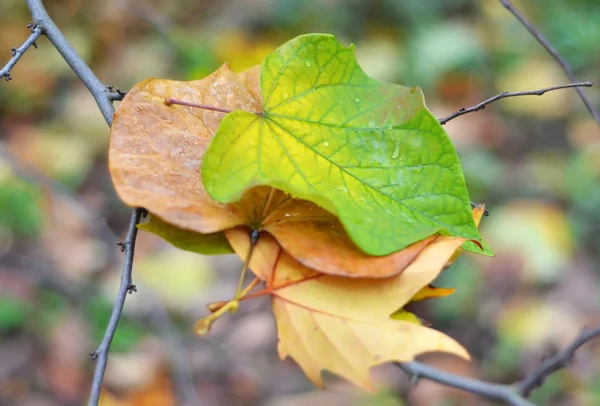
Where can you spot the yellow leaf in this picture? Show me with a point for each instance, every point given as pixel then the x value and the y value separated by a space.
pixel 341 324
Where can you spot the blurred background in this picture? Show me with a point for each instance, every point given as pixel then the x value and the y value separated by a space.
pixel 534 160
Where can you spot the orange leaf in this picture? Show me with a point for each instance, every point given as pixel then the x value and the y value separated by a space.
pixel 154 160
pixel 342 324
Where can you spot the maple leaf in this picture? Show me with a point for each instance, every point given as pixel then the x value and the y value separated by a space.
pixel 341 324
pixel 154 159
pixel 369 152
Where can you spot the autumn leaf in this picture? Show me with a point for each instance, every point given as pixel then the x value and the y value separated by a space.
pixel 154 159
pixel 341 324
pixel 369 152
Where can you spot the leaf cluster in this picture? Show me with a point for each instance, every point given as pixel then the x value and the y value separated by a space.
pixel 354 190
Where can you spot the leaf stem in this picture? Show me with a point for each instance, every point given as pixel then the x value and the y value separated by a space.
pixel 215 306
pixel 269 290
pixel 267 203
pixel 203 326
pixel 168 101
pixel 254 234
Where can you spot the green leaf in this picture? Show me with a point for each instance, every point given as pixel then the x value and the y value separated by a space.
pixel 367 151
pixel 207 244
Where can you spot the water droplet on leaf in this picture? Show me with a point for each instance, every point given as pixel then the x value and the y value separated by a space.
pixel 357 100
pixel 371 124
pixel 307 64
pixel 396 152
pixel 325 144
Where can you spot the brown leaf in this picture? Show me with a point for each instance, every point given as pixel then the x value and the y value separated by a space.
pixel 155 150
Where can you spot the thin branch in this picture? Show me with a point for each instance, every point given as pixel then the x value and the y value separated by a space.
pixel 561 360
pixel 104 97
pixel 17 53
pixel 504 95
pixel 81 69
pixel 487 390
pixel 101 354
pixel 514 395
pixel 563 64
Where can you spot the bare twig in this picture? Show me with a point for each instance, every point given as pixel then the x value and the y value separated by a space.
pixel 561 360
pixel 81 69
pixel 17 53
pixel 503 95
pixel 563 64
pixel 487 390
pixel 101 354
pixel 514 395
pixel 104 97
